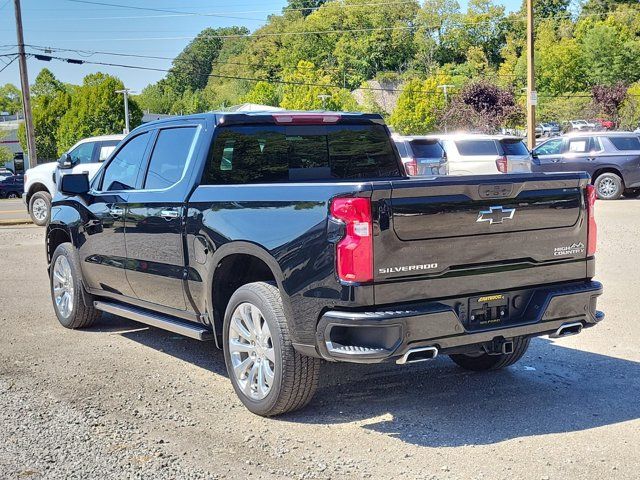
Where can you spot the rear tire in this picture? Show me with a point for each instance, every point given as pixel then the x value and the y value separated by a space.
pixel 485 361
pixel 40 208
pixel 609 186
pixel 269 376
pixel 12 195
pixel 65 280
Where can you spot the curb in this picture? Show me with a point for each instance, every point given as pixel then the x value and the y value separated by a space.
pixel 11 222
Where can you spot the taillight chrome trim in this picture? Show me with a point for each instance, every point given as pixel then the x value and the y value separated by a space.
pixel 592 227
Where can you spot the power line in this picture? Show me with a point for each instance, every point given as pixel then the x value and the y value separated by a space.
pixel 10 62
pixel 133 7
pixel 191 14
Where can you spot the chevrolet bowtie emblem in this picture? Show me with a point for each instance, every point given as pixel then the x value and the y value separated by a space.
pixel 496 215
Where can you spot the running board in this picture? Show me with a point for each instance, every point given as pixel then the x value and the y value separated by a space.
pixel 155 320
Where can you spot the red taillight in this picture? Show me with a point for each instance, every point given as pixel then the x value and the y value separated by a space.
pixel 592 228
pixel 354 253
pixel 305 118
pixel 501 163
pixel 411 167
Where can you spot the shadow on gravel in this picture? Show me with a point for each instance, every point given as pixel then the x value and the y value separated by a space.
pixel 553 389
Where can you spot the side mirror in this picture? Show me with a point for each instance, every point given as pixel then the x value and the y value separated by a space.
pixel 65 161
pixel 534 154
pixel 74 184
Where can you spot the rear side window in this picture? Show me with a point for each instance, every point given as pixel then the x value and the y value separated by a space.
pixel 274 153
pixel 106 148
pixel 169 157
pixel 579 145
pixel 426 149
pixel 625 143
pixel 514 147
pixel 476 147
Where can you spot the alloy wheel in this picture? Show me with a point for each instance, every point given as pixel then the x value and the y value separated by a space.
pixel 251 351
pixel 607 188
pixel 39 209
pixel 63 290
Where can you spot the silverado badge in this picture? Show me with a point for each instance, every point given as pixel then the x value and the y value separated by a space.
pixel 496 215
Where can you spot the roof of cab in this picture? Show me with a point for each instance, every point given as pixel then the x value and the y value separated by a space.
pixel 269 116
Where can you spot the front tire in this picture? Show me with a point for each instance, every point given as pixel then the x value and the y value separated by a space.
pixel 269 376
pixel 40 208
pixel 484 361
pixel 608 186
pixel 67 291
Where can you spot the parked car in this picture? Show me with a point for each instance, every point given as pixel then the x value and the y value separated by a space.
pixel 290 237
pixel 5 173
pixel 11 187
pixel 550 129
pixel 612 159
pixel 472 154
pixel 41 182
pixel 578 125
pixel 604 124
pixel 421 155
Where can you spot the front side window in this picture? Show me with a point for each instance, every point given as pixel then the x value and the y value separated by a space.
pixel 169 157
pixel 551 147
pixel 123 170
pixel 273 153
pixel 83 153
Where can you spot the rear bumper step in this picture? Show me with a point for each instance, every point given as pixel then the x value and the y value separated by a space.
pixel 420 330
pixel 155 320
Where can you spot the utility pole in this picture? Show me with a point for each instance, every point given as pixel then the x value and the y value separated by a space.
pixel 126 93
pixel 532 95
pixel 24 84
pixel 445 89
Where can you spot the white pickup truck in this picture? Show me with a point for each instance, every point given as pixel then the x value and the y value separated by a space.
pixel 40 183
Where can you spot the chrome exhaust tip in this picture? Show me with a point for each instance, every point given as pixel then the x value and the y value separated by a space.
pixel 567 329
pixel 415 355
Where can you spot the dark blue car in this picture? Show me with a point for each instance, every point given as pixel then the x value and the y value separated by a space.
pixel 611 158
pixel 12 187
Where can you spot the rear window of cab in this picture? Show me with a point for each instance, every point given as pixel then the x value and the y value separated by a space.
pixel 279 154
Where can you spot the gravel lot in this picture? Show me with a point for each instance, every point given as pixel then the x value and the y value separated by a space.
pixel 122 400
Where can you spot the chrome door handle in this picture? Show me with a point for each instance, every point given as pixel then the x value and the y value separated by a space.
pixel 116 211
pixel 169 214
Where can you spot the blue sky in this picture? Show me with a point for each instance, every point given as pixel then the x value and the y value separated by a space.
pixel 76 25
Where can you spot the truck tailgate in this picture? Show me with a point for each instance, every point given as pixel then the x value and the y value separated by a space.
pixel 450 235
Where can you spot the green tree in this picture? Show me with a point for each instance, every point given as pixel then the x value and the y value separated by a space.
pixel 191 68
pixel 50 102
pixel 630 109
pixel 305 88
pixel 10 99
pixel 419 106
pixel 264 93
pixel 96 109
pixel 157 98
pixel 304 6
pixel 559 66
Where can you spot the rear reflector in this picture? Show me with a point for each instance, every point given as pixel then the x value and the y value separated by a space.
pixel 306 118
pixel 592 228
pixel 501 163
pixel 354 253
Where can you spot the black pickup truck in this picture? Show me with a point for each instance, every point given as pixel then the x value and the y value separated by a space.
pixel 287 238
